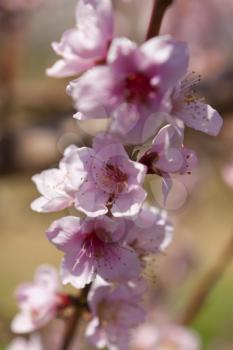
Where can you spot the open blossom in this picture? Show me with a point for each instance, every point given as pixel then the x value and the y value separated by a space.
pixel 20 343
pixel 116 311
pixel 167 155
pixel 192 110
pixel 165 337
pixel 131 87
pixel 93 246
pixel 149 232
pixel 55 184
pixel 113 182
pixel 96 180
pixel 85 45
pixel 38 301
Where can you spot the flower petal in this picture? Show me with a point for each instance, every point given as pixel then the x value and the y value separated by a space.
pixel 129 204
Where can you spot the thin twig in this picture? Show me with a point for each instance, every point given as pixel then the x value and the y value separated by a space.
pixel 72 323
pixel 71 327
pixel 159 9
pixel 207 283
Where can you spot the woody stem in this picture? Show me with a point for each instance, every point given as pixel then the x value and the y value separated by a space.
pixel 158 11
pixel 72 323
pixel 207 283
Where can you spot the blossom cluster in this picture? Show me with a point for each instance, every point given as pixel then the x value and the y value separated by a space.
pixel 149 99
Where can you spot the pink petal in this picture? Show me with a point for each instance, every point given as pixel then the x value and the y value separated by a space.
pixel 95 334
pixel 91 99
pixel 118 264
pixel 170 55
pixel 129 204
pixel 77 269
pixel 22 323
pixel 65 233
pixel 166 187
pixel 66 68
pixel 202 117
pixel 43 205
pixel 91 201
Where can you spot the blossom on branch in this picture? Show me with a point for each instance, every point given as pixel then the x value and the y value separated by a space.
pixel 85 45
pixel 93 246
pixel 167 155
pixel 187 106
pixel 116 312
pixel 113 182
pixel 38 301
pixel 55 185
pixel 150 232
pixel 132 86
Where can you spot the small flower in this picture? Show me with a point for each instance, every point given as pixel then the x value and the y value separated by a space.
pixel 165 337
pixel 38 301
pixel 93 246
pixel 85 45
pixel 149 232
pixel 167 155
pixel 192 110
pixel 132 87
pixel 116 312
pixel 113 183
pixel 55 184
pixel 20 343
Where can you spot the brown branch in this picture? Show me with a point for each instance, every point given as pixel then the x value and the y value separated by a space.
pixel 207 283
pixel 159 9
pixel 71 327
pixel 72 323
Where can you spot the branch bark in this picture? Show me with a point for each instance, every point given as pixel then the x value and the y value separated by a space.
pixel 73 322
pixel 159 9
pixel 207 284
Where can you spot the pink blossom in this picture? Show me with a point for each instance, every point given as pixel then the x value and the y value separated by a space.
pixel 55 184
pixel 167 156
pixel 132 86
pixel 20 343
pixel 113 182
pixel 116 311
pixel 149 232
pixel 85 45
pixel 93 246
pixel 165 337
pixel 37 300
pixel 192 110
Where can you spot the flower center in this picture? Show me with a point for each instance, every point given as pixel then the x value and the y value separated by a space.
pixel 138 88
pixel 94 243
pixel 148 159
pixel 114 179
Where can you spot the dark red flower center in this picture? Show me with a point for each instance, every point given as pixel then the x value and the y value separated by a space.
pixel 138 87
pixel 114 179
pixel 148 159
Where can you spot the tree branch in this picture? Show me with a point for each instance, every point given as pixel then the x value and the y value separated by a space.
pixel 73 321
pixel 207 283
pixel 159 9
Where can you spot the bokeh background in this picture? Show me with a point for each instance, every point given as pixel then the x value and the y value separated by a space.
pixel 36 125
